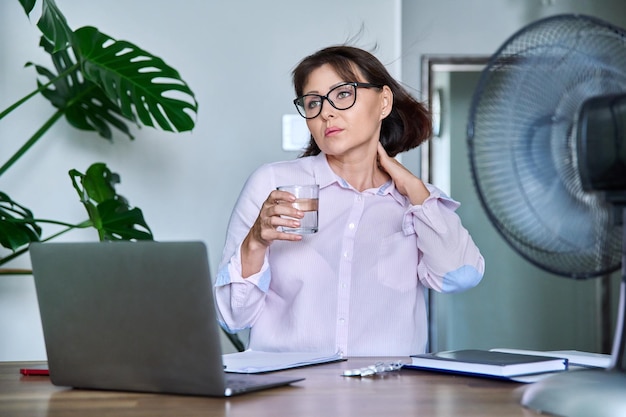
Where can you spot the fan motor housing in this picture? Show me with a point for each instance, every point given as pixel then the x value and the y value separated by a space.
pixel 601 145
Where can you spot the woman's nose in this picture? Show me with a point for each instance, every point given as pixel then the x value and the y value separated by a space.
pixel 327 109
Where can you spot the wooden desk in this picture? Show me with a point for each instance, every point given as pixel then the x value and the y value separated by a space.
pixel 324 393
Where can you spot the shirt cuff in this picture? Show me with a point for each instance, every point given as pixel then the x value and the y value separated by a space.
pixel 231 273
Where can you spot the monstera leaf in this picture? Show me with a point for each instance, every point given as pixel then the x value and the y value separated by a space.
pixel 142 85
pixel 84 104
pixel 110 213
pixel 118 80
pixel 100 81
pixel 17 224
pixel 52 23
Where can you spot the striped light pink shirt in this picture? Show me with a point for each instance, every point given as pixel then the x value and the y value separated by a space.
pixel 358 285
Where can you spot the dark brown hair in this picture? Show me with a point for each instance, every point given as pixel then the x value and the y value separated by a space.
pixel 408 124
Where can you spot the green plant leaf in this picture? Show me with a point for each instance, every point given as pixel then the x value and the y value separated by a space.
pixel 144 87
pixel 52 23
pixel 99 183
pixel 17 224
pixel 83 103
pixel 28 5
pixel 108 211
pixel 120 222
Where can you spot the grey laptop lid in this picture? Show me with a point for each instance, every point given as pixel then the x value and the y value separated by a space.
pixel 133 316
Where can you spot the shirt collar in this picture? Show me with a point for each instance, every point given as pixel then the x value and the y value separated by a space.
pixel 325 176
pixel 390 188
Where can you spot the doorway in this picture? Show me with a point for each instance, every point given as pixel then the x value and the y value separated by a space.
pixel 517 305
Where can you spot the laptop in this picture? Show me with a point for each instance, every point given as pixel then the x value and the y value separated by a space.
pixel 134 316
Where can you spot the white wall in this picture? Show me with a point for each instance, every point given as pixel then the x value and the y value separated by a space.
pixel 237 57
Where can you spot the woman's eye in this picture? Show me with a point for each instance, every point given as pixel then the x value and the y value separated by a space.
pixel 343 93
pixel 312 102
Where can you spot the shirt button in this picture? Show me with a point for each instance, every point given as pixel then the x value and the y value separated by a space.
pixel 351 226
pixel 342 321
pixel 345 255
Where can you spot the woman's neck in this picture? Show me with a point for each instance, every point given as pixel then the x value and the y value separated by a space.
pixel 360 173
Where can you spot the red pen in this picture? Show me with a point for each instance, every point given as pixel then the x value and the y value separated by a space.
pixel 38 370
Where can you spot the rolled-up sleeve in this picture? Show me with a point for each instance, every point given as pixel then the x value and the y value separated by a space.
pixel 240 301
pixel 449 260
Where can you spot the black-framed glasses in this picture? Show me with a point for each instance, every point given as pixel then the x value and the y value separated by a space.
pixel 341 97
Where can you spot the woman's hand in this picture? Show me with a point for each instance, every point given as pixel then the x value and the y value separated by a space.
pixel 276 211
pixel 406 183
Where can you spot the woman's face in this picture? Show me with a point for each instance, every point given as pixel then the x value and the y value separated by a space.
pixel 351 132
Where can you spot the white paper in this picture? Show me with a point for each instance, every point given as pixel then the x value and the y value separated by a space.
pixel 574 357
pixel 251 361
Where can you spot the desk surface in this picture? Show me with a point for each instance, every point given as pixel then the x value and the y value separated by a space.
pixel 323 393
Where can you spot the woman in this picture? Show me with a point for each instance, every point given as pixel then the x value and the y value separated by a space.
pixel 358 285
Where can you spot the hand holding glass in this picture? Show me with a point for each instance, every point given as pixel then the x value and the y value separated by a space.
pixel 307 201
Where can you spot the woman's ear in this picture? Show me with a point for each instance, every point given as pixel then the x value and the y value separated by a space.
pixel 387 101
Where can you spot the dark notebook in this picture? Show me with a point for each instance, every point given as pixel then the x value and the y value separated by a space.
pixel 487 363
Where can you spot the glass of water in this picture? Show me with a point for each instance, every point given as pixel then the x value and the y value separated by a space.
pixel 307 200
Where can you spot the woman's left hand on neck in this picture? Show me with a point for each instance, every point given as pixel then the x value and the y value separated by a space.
pixel 406 183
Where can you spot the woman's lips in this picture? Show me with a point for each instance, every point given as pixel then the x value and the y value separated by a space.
pixel 331 131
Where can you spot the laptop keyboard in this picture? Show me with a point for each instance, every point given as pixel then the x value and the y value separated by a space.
pixel 239 383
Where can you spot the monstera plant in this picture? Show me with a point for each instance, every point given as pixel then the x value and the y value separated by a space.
pixel 99 84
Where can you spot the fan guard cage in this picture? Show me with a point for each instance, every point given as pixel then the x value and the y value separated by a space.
pixel 522 145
